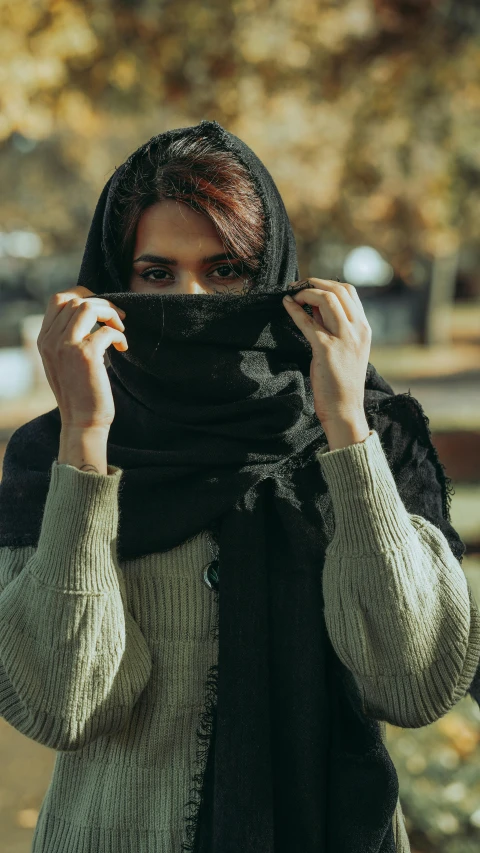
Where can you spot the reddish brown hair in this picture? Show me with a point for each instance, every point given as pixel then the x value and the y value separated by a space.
pixel 210 180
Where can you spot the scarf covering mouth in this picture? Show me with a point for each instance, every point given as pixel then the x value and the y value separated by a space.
pixel 215 430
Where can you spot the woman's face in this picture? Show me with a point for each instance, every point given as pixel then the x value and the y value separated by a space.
pixel 178 250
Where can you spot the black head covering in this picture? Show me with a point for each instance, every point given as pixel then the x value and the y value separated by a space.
pixel 215 429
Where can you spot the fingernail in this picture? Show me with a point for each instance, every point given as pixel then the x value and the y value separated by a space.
pixel 288 298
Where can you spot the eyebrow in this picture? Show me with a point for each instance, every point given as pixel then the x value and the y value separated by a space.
pixel 158 259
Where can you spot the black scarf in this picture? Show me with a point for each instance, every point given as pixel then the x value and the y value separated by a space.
pixel 215 429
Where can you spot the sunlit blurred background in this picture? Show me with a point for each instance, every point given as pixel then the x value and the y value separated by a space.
pixel 367 114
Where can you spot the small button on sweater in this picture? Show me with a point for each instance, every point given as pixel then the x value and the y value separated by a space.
pixel 105 661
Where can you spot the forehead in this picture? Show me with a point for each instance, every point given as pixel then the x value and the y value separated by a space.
pixel 172 224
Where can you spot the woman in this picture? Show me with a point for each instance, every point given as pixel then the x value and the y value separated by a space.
pixel 236 703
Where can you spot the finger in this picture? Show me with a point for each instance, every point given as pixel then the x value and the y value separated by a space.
pixel 59 299
pixel 350 288
pixel 352 306
pixel 92 297
pixel 325 322
pixel 84 316
pixel 78 319
pixel 99 300
pixel 103 337
pixel 346 287
pixel 326 307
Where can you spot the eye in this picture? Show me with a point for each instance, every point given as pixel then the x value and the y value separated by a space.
pixel 153 272
pixel 231 271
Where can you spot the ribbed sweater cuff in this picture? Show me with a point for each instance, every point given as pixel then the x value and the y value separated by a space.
pixel 77 544
pixel 370 516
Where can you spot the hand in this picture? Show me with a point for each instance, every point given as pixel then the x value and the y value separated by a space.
pixel 73 356
pixel 340 337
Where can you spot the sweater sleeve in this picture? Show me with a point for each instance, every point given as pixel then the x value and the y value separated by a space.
pixel 398 607
pixel 73 661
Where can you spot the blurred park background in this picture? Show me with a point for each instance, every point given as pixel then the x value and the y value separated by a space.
pixel 367 114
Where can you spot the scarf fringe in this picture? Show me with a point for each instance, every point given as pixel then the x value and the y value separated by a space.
pixel 449 490
pixel 205 734
pixel 415 407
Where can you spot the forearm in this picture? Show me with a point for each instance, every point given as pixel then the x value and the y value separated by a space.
pixel 73 661
pixel 396 599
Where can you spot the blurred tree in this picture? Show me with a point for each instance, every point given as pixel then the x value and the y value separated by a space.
pixel 365 111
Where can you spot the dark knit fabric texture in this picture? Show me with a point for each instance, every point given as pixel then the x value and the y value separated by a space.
pixel 215 429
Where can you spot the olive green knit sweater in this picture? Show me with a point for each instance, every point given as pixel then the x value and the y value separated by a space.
pixel 105 661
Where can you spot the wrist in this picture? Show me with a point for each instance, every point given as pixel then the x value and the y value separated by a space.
pixel 342 432
pixel 84 448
